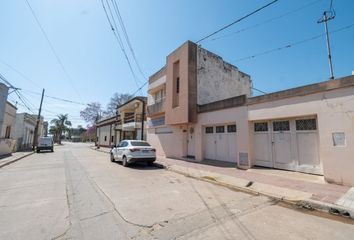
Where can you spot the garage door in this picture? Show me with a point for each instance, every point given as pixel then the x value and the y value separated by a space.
pixel 219 143
pixel 290 144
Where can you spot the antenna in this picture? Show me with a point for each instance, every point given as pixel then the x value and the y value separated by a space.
pixel 327 16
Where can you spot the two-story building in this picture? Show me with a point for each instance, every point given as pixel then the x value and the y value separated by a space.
pixel 193 77
pixel 200 107
pixel 127 124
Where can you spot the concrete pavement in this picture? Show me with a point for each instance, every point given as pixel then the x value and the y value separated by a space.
pixel 310 191
pixel 6 160
pixel 77 193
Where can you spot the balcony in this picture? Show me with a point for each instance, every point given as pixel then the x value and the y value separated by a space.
pixel 156 108
pixel 132 118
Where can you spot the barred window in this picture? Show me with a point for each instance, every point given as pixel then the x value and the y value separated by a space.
pixel 209 130
pixel 220 129
pixel 231 128
pixel 306 124
pixel 281 126
pixel 261 127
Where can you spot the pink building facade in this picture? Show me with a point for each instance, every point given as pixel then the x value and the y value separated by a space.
pixel 200 107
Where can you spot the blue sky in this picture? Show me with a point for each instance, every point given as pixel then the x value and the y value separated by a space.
pixel 83 40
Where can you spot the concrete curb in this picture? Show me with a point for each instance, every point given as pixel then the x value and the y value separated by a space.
pixel 15 160
pixel 302 203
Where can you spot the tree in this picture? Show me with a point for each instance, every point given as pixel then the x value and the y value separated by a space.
pixel 116 100
pixel 61 124
pixel 92 113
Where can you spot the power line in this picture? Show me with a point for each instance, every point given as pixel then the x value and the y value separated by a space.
pixel 20 73
pixel 139 89
pixel 53 49
pixel 238 20
pixel 16 92
pixel 266 21
pixel 124 30
pixel 291 44
pixel 56 98
pixel 114 26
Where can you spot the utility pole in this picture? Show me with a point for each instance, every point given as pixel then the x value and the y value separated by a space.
pixel 327 16
pixel 142 120
pixel 35 137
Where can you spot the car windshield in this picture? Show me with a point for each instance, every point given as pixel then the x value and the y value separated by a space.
pixel 140 144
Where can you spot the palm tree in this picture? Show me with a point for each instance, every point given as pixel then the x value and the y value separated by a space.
pixel 61 124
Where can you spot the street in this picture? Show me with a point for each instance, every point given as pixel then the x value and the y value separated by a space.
pixel 77 193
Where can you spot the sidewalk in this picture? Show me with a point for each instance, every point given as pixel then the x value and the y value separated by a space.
pixel 306 190
pixel 6 160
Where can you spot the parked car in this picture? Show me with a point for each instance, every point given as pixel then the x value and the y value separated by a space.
pixel 45 143
pixel 130 151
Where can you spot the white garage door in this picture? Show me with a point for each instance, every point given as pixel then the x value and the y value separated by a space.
pixel 219 143
pixel 287 144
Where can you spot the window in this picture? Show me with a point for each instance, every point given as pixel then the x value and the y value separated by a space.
pixel 281 126
pixel 231 128
pixel 105 138
pixel 140 144
pixel 209 130
pixel 220 129
pixel 177 85
pixel 261 127
pixel 8 132
pixel 112 138
pixel 306 124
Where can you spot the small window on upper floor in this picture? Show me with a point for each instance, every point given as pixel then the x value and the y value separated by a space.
pixel 105 138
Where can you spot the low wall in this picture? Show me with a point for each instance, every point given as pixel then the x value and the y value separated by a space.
pixel 7 146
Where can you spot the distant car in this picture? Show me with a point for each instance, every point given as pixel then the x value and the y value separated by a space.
pixel 130 151
pixel 45 143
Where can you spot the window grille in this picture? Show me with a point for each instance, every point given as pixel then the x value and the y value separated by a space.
pixel 209 130
pixel 261 127
pixel 281 126
pixel 220 129
pixel 306 124
pixel 231 128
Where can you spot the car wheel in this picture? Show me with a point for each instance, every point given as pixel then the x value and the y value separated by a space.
pixel 125 161
pixel 38 151
pixel 52 150
pixel 112 157
pixel 150 163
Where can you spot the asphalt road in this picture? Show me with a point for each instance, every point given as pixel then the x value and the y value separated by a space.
pixel 77 193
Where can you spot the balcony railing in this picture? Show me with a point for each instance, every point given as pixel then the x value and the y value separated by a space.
pixel 132 118
pixel 156 108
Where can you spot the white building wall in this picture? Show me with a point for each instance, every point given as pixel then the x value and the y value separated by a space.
pixel 9 120
pixel 218 80
pixel 104 135
pixel 335 114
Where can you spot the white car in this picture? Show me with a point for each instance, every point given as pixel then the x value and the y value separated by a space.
pixel 130 151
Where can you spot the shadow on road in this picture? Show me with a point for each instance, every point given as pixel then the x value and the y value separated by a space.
pixel 142 166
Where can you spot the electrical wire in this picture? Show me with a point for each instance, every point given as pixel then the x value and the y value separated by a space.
pixel 126 36
pixel 291 44
pixel 56 98
pixel 70 80
pixel 236 21
pixel 266 21
pixel 114 26
pixel 19 73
